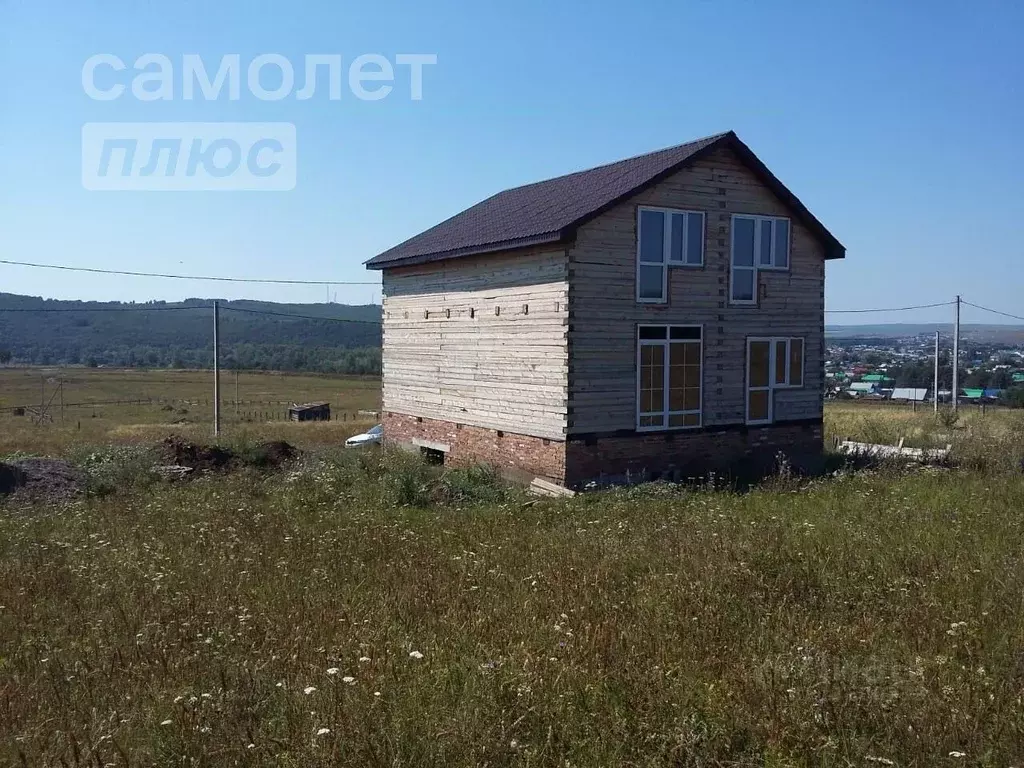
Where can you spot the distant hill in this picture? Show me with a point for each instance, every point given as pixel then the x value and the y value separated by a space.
pixel 1009 334
pixel 101 333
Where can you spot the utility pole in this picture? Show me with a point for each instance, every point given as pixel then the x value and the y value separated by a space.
pixel 956 355
pixel 935 391
pixel 236 391
pixel 216 368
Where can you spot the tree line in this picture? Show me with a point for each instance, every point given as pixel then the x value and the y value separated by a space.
pixel 120 335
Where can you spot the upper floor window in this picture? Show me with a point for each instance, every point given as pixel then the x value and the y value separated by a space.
pixel 758 243
pixel 665 237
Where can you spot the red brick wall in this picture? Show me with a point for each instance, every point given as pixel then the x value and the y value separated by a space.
pixel 517 454
pixel 734 451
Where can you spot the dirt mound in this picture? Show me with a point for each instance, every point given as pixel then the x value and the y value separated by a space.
pixel 213 458
pixel 11 478
pixel 49 479
pixel 198 457
pixel 273 453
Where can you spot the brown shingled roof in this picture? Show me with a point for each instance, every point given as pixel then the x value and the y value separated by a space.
pixel 551 211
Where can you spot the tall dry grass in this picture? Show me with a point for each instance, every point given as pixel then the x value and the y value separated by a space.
pixel 989 441
pixel 354 613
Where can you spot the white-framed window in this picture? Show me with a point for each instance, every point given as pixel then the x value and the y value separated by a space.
pixel 759 243
pixel 669 375
pixel 772 363
pixel 665 237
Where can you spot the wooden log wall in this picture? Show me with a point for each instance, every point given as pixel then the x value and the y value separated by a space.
pixel 604 311
pixel 480 341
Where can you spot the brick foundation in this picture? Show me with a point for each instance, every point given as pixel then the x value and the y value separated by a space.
pixel 734 451
pixel 515 455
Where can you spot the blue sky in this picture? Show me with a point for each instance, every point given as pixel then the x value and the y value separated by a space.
pixel 898 124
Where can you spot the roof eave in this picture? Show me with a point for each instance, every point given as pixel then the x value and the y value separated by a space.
pixel 548 238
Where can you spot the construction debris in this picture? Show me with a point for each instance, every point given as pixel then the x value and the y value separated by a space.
pixel 542 487
pixel 876 450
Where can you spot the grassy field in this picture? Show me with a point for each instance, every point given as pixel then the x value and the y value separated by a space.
pixel 364 609
pixel 180 400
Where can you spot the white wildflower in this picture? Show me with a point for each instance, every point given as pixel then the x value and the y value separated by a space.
pixel 166 722
pixel 364 659
pixel 957 755
pixel 333 671
pixel 348 680
pixel 415 655
pixel 308 690
pixel 323 731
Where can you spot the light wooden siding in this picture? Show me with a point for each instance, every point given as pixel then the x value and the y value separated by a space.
pixel 505 371
pixel 604 311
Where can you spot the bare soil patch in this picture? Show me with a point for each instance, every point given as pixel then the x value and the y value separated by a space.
pixel 42 479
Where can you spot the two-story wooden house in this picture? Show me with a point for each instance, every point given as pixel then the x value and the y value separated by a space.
pixel 660 313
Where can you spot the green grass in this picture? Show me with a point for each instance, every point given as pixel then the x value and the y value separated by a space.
pixel 181 402
pixel 871 615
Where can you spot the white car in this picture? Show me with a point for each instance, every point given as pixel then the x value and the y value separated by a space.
pixel 372 436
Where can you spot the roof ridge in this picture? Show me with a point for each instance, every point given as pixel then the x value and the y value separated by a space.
pixel 712 138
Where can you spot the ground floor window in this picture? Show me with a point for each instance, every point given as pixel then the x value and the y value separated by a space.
pixel 669 375
pixel 772 363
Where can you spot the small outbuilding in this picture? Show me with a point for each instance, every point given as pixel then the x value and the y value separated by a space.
pixel 910 394
pixel 310 412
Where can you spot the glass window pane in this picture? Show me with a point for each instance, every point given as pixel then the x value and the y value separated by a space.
pixel 685 332
pixel 691 395
pixel 684 376
pixel 796 362
pixel 652 236
pixel 675 253
pixel 652 378
pixel 765 246
pixel 652 421
pixel 675 399
pixel 743 242
pixel 781 362
pixel 650 280
pixel 758 405
pixel 743 284
pixel 695 238
pixel 782 243
pixel 691 420
pixel 692 356
pixel 760 354
pixel 652 331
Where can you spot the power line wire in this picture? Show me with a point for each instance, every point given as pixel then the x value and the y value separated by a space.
pixel 102 309
pixel 993 311
pixel 182 277
pixel 890 309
